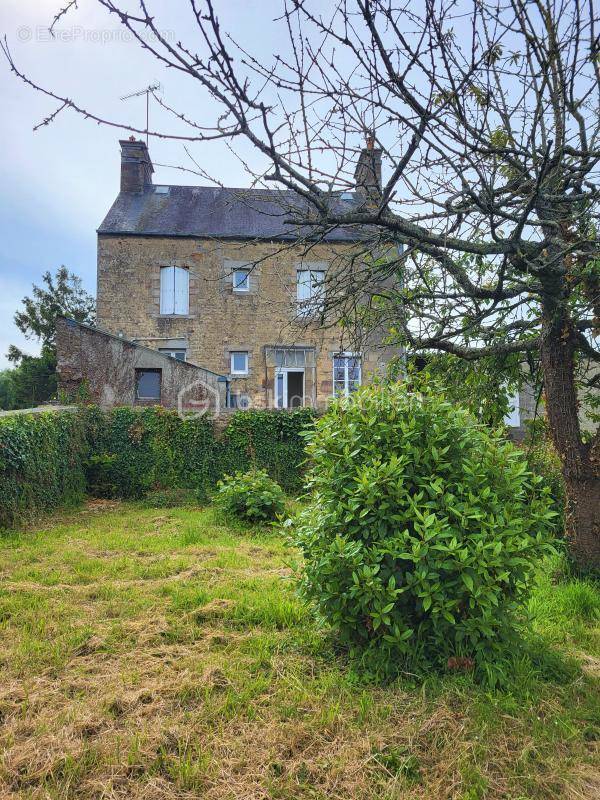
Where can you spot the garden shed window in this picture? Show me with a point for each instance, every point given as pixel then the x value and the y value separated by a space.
pixel 174 290
pixel 147 384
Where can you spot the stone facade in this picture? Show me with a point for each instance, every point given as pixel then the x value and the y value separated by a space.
pixel 208 233
pixel 106 370
pixel 222 320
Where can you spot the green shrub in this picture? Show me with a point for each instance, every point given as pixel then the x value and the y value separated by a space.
pixel 251 496
pixel 41 457
pixel 422 531
pixel 269 440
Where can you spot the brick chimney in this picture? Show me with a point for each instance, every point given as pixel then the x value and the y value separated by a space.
pixel 136 166
pixel 368 171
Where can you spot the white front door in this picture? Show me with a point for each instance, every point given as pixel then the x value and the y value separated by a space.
pixel 289 387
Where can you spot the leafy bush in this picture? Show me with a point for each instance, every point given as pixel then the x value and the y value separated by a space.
pixel 422 531
pixel 269 440
pixel 41 457
pixel 252 497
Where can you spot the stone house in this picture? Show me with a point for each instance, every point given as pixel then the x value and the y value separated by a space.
pixel 208 297
pixel 217 278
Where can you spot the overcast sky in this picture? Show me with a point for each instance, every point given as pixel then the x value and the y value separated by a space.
pixel 59 182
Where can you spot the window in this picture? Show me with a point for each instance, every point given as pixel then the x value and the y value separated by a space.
pixel 174 290
pixel 240 401
pixel 177 353
pixel 346 374
pixel 290 356
pixel 147 384
pixel 239 363
pixel 241 280
pixel 513 418
pixel 310 289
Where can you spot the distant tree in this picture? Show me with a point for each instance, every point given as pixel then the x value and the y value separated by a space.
pixel 34 379
pixel 7 390
pixel 62 294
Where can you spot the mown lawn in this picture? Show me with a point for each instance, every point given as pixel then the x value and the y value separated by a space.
pixel 153 653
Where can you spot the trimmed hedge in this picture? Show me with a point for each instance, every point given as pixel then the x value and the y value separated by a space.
pixel 41 464
pixel 47 459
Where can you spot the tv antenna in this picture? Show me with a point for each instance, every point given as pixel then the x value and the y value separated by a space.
pixel 155 87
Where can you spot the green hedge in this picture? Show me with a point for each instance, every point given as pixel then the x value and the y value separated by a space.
pixel 47 459
pixel 41 464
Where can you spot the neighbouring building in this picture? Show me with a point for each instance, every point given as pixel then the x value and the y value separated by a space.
pixel 218 279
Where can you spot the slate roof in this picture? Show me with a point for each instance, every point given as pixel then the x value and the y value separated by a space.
pixel 222 213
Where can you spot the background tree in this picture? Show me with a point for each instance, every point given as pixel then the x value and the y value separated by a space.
pixel 7 390
pixel 34 378
pixel 487 115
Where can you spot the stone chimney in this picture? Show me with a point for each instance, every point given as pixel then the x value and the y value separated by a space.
pixel 368 171
pixel 136 166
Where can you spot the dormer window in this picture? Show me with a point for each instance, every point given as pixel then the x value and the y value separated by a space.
pixel 174 291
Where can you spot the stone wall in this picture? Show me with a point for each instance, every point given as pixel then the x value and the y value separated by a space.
pixel 101 367
pixel 221 320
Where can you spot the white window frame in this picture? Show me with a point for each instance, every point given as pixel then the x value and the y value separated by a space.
pixel 314 299
pixel 174 291
pixel 232 355
pixel 346 357
pixel 245 288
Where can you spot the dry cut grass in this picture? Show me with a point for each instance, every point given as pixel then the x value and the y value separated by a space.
pixel 158 654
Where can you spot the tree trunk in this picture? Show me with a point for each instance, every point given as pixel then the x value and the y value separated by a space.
pixel 580 462
pixel 583 522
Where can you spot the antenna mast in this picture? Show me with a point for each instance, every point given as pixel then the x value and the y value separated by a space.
pixel 155 87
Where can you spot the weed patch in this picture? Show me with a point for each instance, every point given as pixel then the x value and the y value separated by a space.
pixel 160 654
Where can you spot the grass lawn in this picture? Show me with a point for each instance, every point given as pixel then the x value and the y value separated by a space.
pixel 153 653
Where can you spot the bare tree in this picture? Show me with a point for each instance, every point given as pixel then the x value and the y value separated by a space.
pixel 486 114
